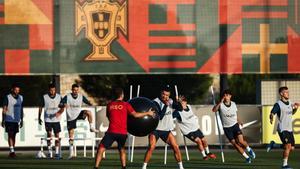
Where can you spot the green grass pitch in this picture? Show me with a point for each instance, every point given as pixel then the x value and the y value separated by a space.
pixel 264 160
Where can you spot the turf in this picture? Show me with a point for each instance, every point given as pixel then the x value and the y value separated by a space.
pixel 233 160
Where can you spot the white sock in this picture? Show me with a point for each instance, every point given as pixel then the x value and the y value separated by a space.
pixel 245 155
pixel 203 153
pixel 71 148
pixel 56 149
pixel 180 165
pixel 50 149
pixel 248 148
pixel 207 150
pixel 285 162
pixel 144 166
pixel 92 125
pixel 11 149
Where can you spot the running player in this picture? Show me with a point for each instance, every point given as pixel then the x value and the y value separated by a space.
pixel 231 125
pixel 116 112
pixel 284 109
pixel 12 116
pixel 50 102
pixel 166 108
pixel 73 102
pixel 189 126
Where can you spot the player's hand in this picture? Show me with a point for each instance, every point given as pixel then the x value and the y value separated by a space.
pixel 296 105
pixel 3 124
pixel 151 112
pixel 57 114
pixel 271 121
pixel 40 121
pixel 21 124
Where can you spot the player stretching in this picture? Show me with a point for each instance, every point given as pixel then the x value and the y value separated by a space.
pixel 231 125
pixel 284 109
pixel 116 112
pixel 189 126
pixel 73 102
pixel 50 102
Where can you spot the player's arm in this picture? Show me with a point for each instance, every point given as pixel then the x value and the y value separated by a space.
pixel 161 112
pixel 275 110
pixel 217 106
pixel 86 101
pixel 4 110
pixel 40 111
pixel 295 107
pixel 22 114
pixel 61 106
pixel 239 120
pixel 177 105
pixel 177 116
pixel 107 111
pixel 135 114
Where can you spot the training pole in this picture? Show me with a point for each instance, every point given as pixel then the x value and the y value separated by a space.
pixel 218 126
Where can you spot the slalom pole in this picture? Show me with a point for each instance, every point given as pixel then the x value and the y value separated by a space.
pixel 218 126
pixel 133 137
pixel 129 135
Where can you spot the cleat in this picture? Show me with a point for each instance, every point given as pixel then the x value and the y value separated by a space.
pixel 205 158
pixel 287 167
pixel 248 160
pixel 211 155
pixel 252 154
pixel 270 146
pixel 49 155
pixel 12 155
pixel 94 130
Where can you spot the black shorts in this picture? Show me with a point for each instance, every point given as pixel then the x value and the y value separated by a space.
pixel 232 132
pixel 287 137
pixel 109 138
pixel 55 126
pixel 11 127
pixel 195 134
pixel 72 124
pixel 160 134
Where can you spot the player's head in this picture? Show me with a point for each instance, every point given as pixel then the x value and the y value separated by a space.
pixel 15 89
pixel 165 93
pixel 118 93
pixel 52 89
pixel 183 101
pixel 284 92
pixel 75 89
pixel 227 94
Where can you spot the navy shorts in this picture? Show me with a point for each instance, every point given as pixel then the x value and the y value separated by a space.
pixel 160 134
pixel 72 124
pixel 287 137
pixel 109 138
pixel 11 127
pixel 55 126
pixel 195 134
pixel 232 132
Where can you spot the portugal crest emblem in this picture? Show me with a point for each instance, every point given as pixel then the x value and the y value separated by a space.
pixel 101 20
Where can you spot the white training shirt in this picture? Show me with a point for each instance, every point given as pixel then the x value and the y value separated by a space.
pixel 14 108
pixel 73 106
pixel 166 123
pixel 189 121
pixel 228 114
pixel 285 121
pixel 51 106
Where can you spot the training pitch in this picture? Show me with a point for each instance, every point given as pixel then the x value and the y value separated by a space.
pixel 233 160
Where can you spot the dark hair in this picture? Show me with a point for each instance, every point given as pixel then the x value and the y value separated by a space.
pixel 117 92
pixel 282 89
pixel 51 85
pixel 166 88
pixel 74 85
pixel 183 98
pixel 226 91
pixel 14 85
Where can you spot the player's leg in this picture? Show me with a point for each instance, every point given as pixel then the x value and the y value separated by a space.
pixel 286 138
pixel 200 147
pixel 206 149
pixel 105 143
pixel 71 125
pixel 152 139
pixel 57 130
pixel 177 154
pixel 49 135
pixel 11 129
pixel 243 143
pixel 88 114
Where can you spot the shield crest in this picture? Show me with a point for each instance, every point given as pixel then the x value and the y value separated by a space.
pixel 101 21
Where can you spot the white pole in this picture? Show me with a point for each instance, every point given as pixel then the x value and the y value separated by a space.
pixel 133 137
pixel 129 135
pixel 217 121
